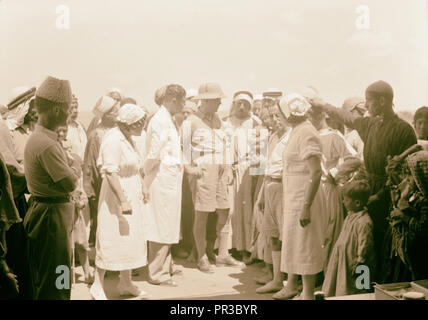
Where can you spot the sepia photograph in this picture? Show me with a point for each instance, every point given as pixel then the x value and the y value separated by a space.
pixel 229 152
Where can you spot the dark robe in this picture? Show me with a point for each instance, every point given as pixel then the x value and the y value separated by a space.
pixel 382 138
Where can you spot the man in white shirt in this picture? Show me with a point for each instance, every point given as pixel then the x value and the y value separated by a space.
pixel 163 169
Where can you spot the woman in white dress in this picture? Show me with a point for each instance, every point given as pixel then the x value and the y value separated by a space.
pixel 120 240
pixel 304 221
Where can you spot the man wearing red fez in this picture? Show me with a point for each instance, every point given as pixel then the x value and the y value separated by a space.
pixel 384 134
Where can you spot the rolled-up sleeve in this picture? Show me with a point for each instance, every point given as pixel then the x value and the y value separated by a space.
pixel 110 154
pixel 310 145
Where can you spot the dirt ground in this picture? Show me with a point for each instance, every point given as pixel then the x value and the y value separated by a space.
pixel 225 284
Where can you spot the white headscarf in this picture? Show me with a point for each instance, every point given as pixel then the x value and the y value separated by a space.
pixel 15 118
pixel 294 104
pixel 130 113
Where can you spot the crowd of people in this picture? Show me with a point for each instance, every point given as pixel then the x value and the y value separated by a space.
pixel 311 190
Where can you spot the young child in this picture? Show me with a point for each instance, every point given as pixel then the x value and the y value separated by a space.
pixel 420 122
pixel 79 233
pixel 354 246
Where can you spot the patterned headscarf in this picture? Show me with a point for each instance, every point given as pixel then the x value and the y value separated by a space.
pixel 418 165
pixel 294 104
pixel 130 113
pixel 15 118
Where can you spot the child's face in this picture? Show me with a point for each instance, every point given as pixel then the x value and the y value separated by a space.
pixel 352 204
pixel 421 128
pixel 62 133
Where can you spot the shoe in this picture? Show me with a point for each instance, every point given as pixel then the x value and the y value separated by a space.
pixel 168 283
pixel 176 271
pixel 212 258
pixel 269 287
pixel 97 293
pixel 205 266
pixel 264 279
pixel 229 261
pixel 130 290
pixel 89 279
pixel 284 295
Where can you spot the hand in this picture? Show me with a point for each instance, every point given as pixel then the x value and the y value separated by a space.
pixel 330 179
pixel 305 216
pixel 126 207
pixel 9 279
pixel 372 199
pixel 146 195
pixel 196 172
pixel 317 102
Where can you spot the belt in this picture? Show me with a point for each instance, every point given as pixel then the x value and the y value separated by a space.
pixel 64 199
pixel 272 179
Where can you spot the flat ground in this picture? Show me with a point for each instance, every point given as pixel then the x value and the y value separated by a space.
pixel 225 284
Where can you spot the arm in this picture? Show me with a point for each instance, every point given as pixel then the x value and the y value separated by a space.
pixel 365 245
pixel 114 183
pixel 343 116
pixel 55 162
pixel 314 165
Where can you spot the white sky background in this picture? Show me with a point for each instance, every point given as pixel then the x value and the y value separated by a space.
pixel 242 44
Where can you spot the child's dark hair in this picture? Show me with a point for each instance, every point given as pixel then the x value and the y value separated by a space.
pixel 357 190
pixel 421 113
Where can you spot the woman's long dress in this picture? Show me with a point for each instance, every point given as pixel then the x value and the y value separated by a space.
pixel 121 243
pixel 302 248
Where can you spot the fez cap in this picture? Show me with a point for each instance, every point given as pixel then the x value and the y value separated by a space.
pixel 55 90
pixel 382 88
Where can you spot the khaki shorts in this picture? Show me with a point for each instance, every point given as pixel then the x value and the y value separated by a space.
pixel 273 215
pixel 210 191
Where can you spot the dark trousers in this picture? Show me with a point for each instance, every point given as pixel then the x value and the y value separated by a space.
pixel 48 227
pixel 93 212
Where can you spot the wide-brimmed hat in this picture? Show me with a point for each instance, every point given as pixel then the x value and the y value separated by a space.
pixel 209 90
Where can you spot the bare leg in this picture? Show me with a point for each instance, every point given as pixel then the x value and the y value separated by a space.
pixel 84 261
pixel 308 287
pixel 97 288
pixel 199 233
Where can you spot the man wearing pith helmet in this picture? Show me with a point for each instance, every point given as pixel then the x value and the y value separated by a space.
pixel 50 180
pixel 209 177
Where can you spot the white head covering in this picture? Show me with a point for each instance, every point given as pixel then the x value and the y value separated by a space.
pixel 294 104
pixel 115 90
pixel 190 93
pixel 310 92
pixel 103 105
pixel 15 118
pixel 130 113
pixel 258 97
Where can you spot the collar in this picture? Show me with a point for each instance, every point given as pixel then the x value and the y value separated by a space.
pixel 51 134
